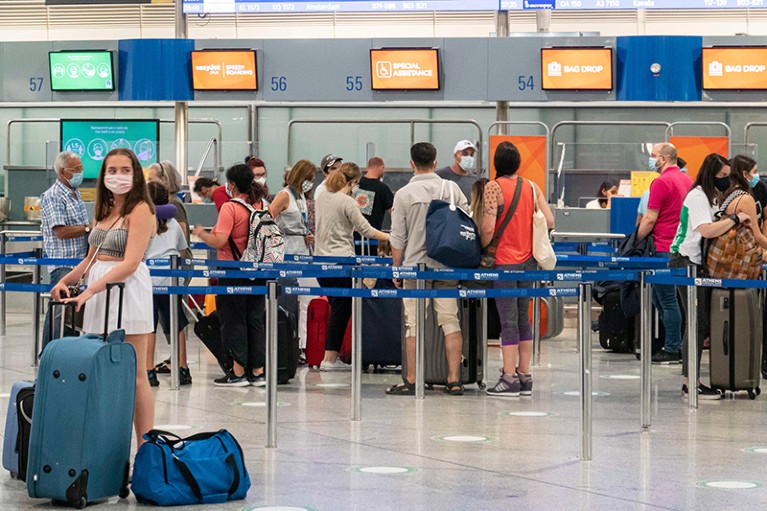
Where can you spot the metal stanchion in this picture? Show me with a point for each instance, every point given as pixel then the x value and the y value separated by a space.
pixel 692 341
pixel 271 364
pixel 537 327
pixel 645 344
pixel 36 274
pixel 584 366
pixel 357 354
pixel 175 374
pixel 484 375
pixel 420 338
pixel 2 279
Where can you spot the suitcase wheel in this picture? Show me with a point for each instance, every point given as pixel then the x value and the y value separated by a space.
pixel 481 385
pixel 758 391
pixel 752 394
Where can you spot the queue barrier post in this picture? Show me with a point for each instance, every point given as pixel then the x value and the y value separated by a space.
pixel 271 364
pixel 175 375
pixel 584 363
pixel 483 336
pixel 536 327
pixel 645 343
pixel 357 353
pixel 420 338
pixel 36 279
pixel 3 279
pixel 692 341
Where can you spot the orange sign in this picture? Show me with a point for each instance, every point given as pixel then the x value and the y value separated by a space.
pixel 404 69
pixel 224 70
pixel 532 150
pixel 735 68
pixel 577 68
pixel 695 149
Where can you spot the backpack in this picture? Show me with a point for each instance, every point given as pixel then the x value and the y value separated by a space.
pixel 265 243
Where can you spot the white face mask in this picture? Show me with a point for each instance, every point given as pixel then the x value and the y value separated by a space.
pixel 307 186
pixel 118 183
pixel 355 189
pixel 467 163
pixel 260 180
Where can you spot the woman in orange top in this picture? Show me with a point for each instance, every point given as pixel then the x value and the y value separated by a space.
pixel 514 252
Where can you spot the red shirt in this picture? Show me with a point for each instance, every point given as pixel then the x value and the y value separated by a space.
pixel 516 243
pixel 233 221
pixel 667 193
pixel 220 197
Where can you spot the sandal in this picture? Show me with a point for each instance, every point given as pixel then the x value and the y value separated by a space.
pixel 402 389
pixel 454 388
pixel 163 367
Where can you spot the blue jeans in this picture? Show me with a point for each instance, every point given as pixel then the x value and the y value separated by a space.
pixel 665 300
pixel 56 276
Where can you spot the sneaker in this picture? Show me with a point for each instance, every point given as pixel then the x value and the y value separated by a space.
pixel 153 381
pixel 525 384
pixel 706 393
pixel 185 376
pixel 664 357
pixel 507 386
pixel 257 380
pixel 338 365
pixel 163 367
pixel 302 358
pixel 231 380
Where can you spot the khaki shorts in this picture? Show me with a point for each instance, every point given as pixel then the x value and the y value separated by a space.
pixel 446 308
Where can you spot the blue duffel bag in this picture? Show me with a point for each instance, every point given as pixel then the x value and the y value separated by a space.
pixel 452 238
pixel 206 468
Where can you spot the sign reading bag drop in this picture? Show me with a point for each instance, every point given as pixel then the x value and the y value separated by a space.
pixel 405 69
pixel 577 68
pixel 224 70
pixel 735 68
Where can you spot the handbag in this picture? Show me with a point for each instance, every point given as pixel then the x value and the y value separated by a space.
pixel 488 254
pixel 206 468
pixel 452 237
pixel 735 254
pixel 542 249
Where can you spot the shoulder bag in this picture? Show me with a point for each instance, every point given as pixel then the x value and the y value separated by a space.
pixel 452 237
pixel 735 254
pixel 542 249
pixel 488 254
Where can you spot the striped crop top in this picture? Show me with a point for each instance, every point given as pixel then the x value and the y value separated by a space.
pixel 112 241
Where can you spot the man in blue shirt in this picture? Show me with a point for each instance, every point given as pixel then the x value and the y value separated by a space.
pixel 65 223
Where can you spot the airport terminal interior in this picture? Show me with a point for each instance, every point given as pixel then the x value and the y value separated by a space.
pixel 584 88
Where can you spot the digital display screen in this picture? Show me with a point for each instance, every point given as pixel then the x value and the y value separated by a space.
pixel 735 68
pixel 81 70
pixel 575 5
pixel 404 69
pixel 92 139
pixel 224 70
pixel 577 68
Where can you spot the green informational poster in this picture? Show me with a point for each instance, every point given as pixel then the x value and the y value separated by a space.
pixel 81 70
pixel 93 139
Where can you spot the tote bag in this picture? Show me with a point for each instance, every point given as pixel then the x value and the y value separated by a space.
pixel 542 249
pixel 452 238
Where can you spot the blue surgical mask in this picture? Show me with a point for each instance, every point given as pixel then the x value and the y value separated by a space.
pixel 467 163
pixel 206 200
pixel 653 163
pixel 76 180
pixel 229 192
pixel 754 180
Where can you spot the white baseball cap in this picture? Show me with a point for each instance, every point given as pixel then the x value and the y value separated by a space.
pixel 464 144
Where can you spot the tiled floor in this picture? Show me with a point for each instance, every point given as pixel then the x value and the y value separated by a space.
pixel 524 462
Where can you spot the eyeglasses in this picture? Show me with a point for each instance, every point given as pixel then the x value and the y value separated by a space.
pixel 75 169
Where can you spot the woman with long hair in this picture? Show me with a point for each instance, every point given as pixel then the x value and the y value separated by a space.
pixel 125 225
pixel 242 316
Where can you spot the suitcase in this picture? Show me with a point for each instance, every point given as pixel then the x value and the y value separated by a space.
pixel 317 318
pixel 616 331
pixel 24 406
pixel 82 418
pixel 552 316
pixel 736 340
pixel 208 330
pixel 12 439
pixel 287 346
pixel 493 320
pixel 435 368
pixel 382 346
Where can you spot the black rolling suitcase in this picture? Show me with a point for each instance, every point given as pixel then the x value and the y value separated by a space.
pixel 287 346
pixel 381 344
pixel 472 364
pixel 616 331
pixel 736 340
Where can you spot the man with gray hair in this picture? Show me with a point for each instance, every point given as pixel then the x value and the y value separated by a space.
pixel 65 223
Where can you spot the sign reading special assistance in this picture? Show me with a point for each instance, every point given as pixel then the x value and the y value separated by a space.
pixel 405 69
pixel 577 68
pixel 735 68
pixel 224 70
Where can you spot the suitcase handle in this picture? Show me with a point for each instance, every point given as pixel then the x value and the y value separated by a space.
pixel 56 303
pixel 121 287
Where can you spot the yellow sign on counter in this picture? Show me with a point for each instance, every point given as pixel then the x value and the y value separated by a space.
pixel 88 194
pixel 640 181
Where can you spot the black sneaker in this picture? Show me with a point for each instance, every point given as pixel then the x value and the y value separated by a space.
pixel 257 380
pixel 152 375
pixel 185 376
pixel 508 386
pixel 163 367
pixel 705 393
pixel 231 380
pixel 664 357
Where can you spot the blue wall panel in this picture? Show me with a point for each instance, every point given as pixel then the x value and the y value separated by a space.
pixel 679 78
pixel 156 70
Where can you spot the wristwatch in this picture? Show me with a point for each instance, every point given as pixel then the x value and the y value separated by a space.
pixel 87 229
pixel 735 219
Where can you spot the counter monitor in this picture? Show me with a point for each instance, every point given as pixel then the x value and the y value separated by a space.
pixel 81 70
pixel 405 69
pixel 224 70
pixel 735 68
pixel 577 68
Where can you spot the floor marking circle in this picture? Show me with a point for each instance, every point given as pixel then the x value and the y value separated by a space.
pixel 619 377
pixel 178 427
pixel 464 438
pixel 260 404
pixel 755 450
pixel 384 470
pixel 332 385
pixel 731 485
pixel 578 393
pixel 5 394
pixel 279 508
pixel 530 414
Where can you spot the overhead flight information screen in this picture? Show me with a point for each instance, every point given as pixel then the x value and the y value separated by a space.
pixel 262 6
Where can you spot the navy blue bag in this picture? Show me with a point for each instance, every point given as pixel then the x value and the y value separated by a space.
pixel 207 468
pixel 452 238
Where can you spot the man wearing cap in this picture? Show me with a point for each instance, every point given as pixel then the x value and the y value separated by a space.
pixel 329 163
pixel 464 163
